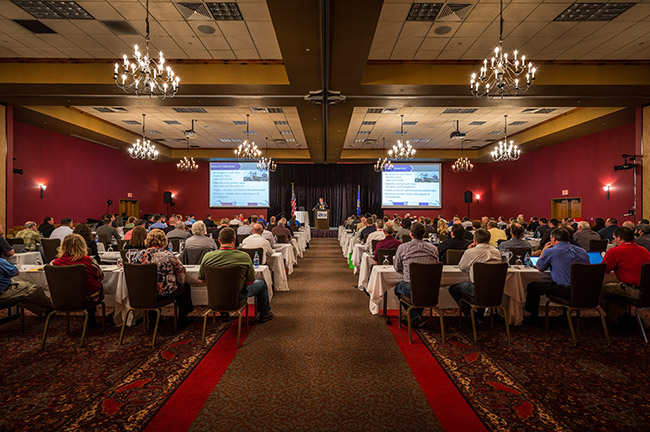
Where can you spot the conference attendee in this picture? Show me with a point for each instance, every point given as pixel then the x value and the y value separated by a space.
pixel 255 240
pixel 245 228
pixel 480 251
pixel 63 230
pixel 261 220
pixel 625 260
pixel 199 239
pixel 521 221
pixel 533 225
pixel 31 296
pixel 191 219
pixel 428 227
pixel 171 273
pixel 466 223
pixel 84 231
pixel 237 220
pixel 405 230
pixel 209 223
pixel 222 224
pixel 456 241
pixel 157 223
pixel 369 229
pixel 484 222
pixel 389 242
pixel 295 221
pixel 629 224
pixel 414 251
pixel 442 231
pixel 607 233
pixel 137 239
pixel 599 223
pixel 46 227
pixel 321 205
pixel 5 247
pixel 179 232
pixel 268 235
pixel 496 234
pixel 585 234
pixel 136 223
pixel 130 224
pixel 558 255
pixel 107 230
pixel 30 235
pixel 114 220
pixel 171 224
pixel 552 224
pixel 249 285
pixel 281 229
pixel 644 237
pixel 272 223
pixel 73 251
pixel 378 235
pixel 516 240
pixel 542 229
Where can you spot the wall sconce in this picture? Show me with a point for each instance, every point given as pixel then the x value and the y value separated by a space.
pixel 478 198
pixel 42 187
pixel 606 189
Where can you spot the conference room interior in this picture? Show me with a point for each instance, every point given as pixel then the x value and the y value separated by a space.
pixel 325 89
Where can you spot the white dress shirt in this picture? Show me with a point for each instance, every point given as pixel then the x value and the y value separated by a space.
pixel 377 235
pixel 61 232
pixel 255 241
pixel 269 236
pixel 482 253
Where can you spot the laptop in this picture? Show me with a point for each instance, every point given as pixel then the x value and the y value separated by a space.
pixel 595 257
pixel 534 260
pixel 18 248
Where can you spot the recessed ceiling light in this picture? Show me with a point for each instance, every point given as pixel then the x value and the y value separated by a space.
pixel 225 11
pixel 203 28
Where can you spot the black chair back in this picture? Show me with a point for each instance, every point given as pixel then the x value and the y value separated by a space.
pixel 193 256
pixel 519 253
pixel 644 295
pixel 586 284
pixel 141 284
pixel 489 281
pixel 67 286
pixel 500 241
pixel 282 239
pixel 123 255
pixel 241 237
pixel 176 244
pixel 381 253
pixel 223 286
pixel 453 256
pixel 234 227
pixel 50 248
pixel 251 253
pixel 425 283
pixel 373 244
pixel 121 243
pixel 598 245
pixel 103 238
pixel 15 241
pixel 406 238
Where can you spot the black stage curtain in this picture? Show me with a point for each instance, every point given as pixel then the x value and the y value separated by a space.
pixel 336 183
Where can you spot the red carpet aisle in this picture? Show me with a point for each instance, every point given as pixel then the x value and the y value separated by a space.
pixel 323 364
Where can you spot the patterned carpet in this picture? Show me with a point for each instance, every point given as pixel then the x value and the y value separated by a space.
pixel 541 382
pixel 323 364
pixel 102 386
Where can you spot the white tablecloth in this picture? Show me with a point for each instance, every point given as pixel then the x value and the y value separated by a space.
pixel 302 217
pixel 286 249
pixel 301 240
pixel 364 270
pixel 296 247
pixel 276 263
pixel 109 257
pixel 357 251
pixel 307 230
pixel 26 258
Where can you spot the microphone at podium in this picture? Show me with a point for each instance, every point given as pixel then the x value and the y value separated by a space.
pixel 321 205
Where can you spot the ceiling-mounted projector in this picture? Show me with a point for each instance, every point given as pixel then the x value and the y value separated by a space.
pixel 190 133
pixel 457 134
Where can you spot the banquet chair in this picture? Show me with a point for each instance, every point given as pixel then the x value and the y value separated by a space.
pixel 406 238
pixel 519 253
pixel 50 249
pixel 489 282
pixel 282 239
pixel 598 245
pixel 642 303
pixel 234 227
pixel 103 238
pixel 453 256
pixel 381 253
pixel 8 303
pixel 142 288
pixel 15 241
pixel 193 256
pixel 176 244
pixel 373 244
pixel 121 243
pixel 241 237
pixel 223 295
pixel 425 292
pixel 586 286
pixel 67 286
pixel 260 254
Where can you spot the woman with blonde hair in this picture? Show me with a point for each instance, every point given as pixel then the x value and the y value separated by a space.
pixel 73 251
pixel 443 230
pixel 171 273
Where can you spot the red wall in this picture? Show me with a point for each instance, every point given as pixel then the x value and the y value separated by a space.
pixel 581 166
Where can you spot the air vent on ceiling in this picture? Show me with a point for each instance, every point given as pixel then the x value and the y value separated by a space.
pixel 153 132
pixel 424 11
pixel 375 110
pixel 291 140
pixel 285 132
pixel 383 110
pixel 517 123
pixel 477 123
pixel 54 9
pixel 496 132
pixel 120 28
pixel 34 26
pixel 263 110
pixel 279 141
pixel 359 140
pixel 368 123
pixel 410 123
pixel 276 111
pixel 538 110
pixel 399 132
pixel 194 11
pixel 460 110
pixel 186 110
pixel 225 11
pixel 363 132
pixel 111 109
pixel 593 11
pixel 172 140
pixel 281 122
pixel 131 122
pixel 420 140
pixel 454 12
pixel 172 122
pixel 240 122
pixel 233 140
pixel 70 10
pixel 370 141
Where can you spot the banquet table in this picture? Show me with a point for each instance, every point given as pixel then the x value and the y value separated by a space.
pixel 365 268
pixel 357 251
pixel 301 241
pixel 384 278
pixel 307 230
pixel 287 251
pixel 24 258
pixel 276 264
pixel 298 250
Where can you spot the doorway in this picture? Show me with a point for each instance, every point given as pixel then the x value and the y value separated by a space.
pixel 130 207
pixel 566 208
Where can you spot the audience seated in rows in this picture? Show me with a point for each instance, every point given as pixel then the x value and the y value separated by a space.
pixel 158 223
pixel 63 230
pixel 84 231
pixel 199 239
pixel 585 234
pixel 31 236
pixel 368 229
pixel 496 234
pixel 107 230
pixel 516 240
pixel 456 241
pixel 255 240
pixel 138 237
pixel 137 223
pixel 46 227
pixel 378 235
pixel 607 233
pixel 244 228
pixel 178 232
pixel 281 229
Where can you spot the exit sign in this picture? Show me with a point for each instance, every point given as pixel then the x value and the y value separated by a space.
pixel 130 195
pixel 565 192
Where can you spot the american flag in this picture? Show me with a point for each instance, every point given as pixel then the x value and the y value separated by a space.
pixel 293 201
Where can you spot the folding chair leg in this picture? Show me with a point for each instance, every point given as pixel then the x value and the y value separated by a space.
pixel 205 324
pixel 641 327
pixel 442 325
pixel 126 318
pixel 155 329
pixel 238 328
pixel 47 325
pixel 573 332
pixel 505 320
pixel 602 321
pixel 408 320
pixel 471 313
pixel 83 332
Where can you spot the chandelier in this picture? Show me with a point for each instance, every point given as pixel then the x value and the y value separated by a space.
pixel 401 150
pixel 383 164
pixel 142 148
pixel 505 151
pixel 501 76
pixel 247 150
pixel 187 164
pixel 143 75
pixel 266 163
pixel 462 164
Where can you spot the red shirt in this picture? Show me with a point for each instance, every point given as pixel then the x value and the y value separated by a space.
pixel 626 260
pixel 389 242
pixel 94 274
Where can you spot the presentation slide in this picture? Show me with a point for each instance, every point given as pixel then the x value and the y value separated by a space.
pixel 412 185
pixel 238 184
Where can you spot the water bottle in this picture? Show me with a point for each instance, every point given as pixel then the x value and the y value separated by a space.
pixel 275 238
pixel 256 260
pixel 527 260
pixel 386 262
pixel 539 235
pixel 169 247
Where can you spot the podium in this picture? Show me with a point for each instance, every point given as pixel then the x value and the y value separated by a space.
pixel 322 219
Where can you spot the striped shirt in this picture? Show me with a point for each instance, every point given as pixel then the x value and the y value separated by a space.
pixel 415 251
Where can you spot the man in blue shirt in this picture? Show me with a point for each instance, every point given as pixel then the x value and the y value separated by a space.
pixel 157 223
pixel 558 255
pixel 32 297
